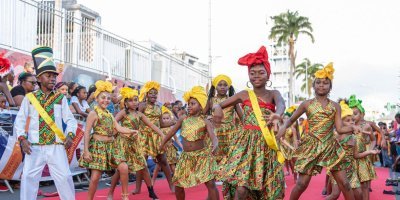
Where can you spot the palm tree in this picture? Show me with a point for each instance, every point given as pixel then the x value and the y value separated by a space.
pixel 286 30
pixel 306 69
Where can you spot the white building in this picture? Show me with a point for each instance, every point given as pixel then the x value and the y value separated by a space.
pixel 78 40
pixel 280 63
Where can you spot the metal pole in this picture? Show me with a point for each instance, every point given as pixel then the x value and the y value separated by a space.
pixel 308 95
pixel 209 41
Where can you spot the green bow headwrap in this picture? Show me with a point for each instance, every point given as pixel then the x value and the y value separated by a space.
pixel 353 102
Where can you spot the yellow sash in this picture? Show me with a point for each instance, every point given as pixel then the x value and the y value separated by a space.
pixel 268 136
pixel 45 116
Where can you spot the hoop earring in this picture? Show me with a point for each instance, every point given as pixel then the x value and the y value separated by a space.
pixel 247 84
pixel 269 84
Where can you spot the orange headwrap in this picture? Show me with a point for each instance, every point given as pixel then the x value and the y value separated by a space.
pixel 260 57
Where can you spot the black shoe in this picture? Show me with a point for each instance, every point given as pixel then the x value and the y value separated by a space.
pixel 389 192
pixel 391 184
pixel 152 194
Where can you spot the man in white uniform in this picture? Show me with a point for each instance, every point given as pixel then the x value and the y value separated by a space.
pixel 45 142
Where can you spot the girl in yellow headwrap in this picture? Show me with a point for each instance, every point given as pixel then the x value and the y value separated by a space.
pixel 171 150
pixel 196 165
pixel 227 131
pixel 100 151
pixel 150 140
pixel 352 156
pixel 130 118
pixel 320 148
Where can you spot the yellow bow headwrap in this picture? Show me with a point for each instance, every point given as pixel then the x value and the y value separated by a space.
pixel 289 111
pixel 165 110
pixel 198 93
pixel 128 93
pixel 220 78
pixel 346 110
pixel 326 72
pixel 102 86
pixel 147 87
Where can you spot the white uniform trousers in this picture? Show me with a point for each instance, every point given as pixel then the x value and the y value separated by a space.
pixel 56 158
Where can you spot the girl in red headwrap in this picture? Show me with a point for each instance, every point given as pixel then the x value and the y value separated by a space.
pixel 253 168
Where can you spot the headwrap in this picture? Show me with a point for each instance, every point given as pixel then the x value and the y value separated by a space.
pixel 5 66
pixel 260 57
pixel 354 102
pixel 198 93
pixel 346 110
pixel 166 110
pixel 326 72
pixel 102 86
pixel 147 87
pixel 289 111
pixel 128 93
pixel 220 78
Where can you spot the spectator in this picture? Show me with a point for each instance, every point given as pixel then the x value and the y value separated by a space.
pixel 79 102
pixel 71 87
pixel 386 159
pixel 27 83
pixel 62 88
pixel 176 109
pixel 5 70
pixel 28 67
pixel 91 99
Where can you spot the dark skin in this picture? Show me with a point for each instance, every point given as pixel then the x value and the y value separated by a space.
pixel 321 87
pixel 28 85
pixel 222 89
pixel 194 110
pixel 349 121
pixel 258 77
pixel 82 94
pixel 131 105
pixel 6 92
pixel 151 98
pixel 47 81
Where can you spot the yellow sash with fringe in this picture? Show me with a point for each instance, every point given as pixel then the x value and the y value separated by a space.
pixel 268 136
pixel 45 116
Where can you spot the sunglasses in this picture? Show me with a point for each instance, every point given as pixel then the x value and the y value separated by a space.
pixel 32 82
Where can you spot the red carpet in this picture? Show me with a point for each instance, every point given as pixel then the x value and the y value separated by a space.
pixel 200 192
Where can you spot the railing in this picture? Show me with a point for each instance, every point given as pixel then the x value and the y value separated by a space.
pixel 79 40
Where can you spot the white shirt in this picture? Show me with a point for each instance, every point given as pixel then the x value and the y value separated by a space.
pixel 61 113
pixel 84 106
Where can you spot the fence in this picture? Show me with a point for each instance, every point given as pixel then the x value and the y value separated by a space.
pixel 79 40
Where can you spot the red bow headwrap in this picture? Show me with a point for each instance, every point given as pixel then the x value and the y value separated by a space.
pixel 260 57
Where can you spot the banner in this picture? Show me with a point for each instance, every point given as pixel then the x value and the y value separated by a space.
pixel 11 156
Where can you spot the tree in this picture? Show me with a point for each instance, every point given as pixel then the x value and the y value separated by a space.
pixel 286 30
pixel 306 69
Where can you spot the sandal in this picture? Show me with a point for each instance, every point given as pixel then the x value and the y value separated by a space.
pixel 125 196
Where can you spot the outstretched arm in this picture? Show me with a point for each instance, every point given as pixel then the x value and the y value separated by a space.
pixel 299 111
pixel 171 132
pixel 146 121
pixel 231 101
pixel 211 133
